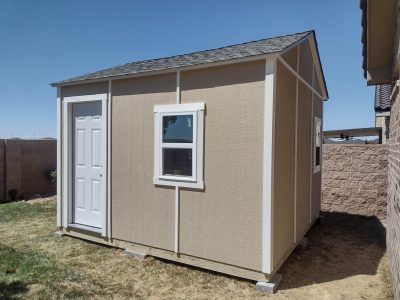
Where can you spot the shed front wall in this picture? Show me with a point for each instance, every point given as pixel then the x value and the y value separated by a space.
pixel 224 222
pixel 141 212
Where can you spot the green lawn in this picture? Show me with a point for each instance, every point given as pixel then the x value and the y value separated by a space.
pixel 346 259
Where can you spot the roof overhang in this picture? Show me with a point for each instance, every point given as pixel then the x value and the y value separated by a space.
pixel 378 36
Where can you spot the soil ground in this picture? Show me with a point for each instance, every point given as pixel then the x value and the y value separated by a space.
pixel 345 260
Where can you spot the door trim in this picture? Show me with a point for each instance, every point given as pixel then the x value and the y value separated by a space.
pixel 67 158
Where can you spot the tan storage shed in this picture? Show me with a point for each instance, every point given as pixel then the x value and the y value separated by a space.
pixel 211 159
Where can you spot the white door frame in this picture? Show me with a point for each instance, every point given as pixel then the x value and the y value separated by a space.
pixel 67 163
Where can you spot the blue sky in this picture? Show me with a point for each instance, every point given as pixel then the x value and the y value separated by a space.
pixel 45 41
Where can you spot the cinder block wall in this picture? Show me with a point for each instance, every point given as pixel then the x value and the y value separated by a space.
pixel 23 166
pixel 354 179
pixel 393 209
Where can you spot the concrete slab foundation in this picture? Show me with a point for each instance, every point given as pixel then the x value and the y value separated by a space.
pixel 135 254
pixel 271 286
pixel 58 234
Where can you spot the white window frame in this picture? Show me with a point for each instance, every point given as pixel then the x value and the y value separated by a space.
pixel 317 143
pixel 197 111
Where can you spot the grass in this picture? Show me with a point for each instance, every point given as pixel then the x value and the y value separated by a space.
pixel 346 259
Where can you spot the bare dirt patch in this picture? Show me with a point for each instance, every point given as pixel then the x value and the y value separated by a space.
pixel 345 260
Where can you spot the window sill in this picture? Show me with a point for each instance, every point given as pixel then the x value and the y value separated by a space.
pixel 184 184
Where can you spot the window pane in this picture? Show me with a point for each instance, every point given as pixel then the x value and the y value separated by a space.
pixel 178 129
pixel 177 162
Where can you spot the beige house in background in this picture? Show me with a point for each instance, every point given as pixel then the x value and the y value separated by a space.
pixel 212 159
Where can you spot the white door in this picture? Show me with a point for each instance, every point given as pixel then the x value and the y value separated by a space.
pixel 87 163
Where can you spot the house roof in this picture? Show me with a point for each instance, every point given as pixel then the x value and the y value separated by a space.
pixel 378 22
pixel 382 97
pixel 248 49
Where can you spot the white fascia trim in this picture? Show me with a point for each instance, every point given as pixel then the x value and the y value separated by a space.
pixel 67 150
pixel 171 108
pixel 172 70
pixel 59 160
pixel 268 165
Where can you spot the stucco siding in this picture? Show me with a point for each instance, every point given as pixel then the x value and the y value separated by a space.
pixel 85 89
pixel 284 162
pixel 141 212
pixel 224 221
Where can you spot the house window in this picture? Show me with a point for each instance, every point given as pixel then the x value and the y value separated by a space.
pixel 178 153
pixel 317 145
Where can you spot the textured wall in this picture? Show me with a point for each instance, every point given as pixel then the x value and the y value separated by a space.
pixel 23 165
pixel 354 179
pixel 393 208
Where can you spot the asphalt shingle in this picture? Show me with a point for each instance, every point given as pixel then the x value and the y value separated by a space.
pixel 260 47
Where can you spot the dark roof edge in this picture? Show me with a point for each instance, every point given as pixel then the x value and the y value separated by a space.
pixel 320 65
pixel 364 40
pixel 61 82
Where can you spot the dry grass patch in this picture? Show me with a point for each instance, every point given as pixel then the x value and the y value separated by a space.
pixel 346 259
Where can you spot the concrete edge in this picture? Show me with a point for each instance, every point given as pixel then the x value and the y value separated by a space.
pixel 271 286
pixel 58 234
pixel 135 254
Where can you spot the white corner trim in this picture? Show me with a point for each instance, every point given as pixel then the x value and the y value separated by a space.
pixel 177 208
pixel 109 137
pixel 268 167
pixel 296 151
pixel 67 159
pixel 59 160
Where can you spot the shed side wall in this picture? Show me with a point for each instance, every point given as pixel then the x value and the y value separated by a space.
pixel 284 162
pixel 316 178
pixel 224 222
pixel 304 148
pixel 141 212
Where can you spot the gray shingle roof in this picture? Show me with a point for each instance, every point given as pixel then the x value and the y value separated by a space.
pixel 382 97
pixel 254 48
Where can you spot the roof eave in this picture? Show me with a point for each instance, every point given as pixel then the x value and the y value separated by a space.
pixel 168 70
pixel 378 34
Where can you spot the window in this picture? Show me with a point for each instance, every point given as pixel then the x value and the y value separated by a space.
pixel 178 153
pixel 317 145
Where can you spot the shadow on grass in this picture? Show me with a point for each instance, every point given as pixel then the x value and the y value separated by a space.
pixel 344 245
pixel 12 290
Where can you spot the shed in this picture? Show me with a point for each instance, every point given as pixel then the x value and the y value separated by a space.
pixel 211 159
